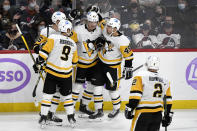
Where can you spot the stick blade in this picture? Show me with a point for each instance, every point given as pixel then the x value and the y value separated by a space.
pixel 109 78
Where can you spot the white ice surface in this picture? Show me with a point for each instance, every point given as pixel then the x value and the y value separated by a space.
pixel 183 120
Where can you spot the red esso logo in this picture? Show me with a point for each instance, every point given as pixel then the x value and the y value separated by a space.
pixel 14 75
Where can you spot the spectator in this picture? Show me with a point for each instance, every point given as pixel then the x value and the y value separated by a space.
pixel 168 38
pixel 144 39
pixel 5 15
pixel 12 39
pixel 183 16
pixel 158 18
pixel 133 14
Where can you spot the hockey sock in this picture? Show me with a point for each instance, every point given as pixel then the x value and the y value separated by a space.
pixel 75 92
pixel 46 103
pixel 55 102
pixel 115 97
pixel 98 97
pixel 68 104
pixel 87 94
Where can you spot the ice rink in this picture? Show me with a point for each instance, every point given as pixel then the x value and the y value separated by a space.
pixel 183 120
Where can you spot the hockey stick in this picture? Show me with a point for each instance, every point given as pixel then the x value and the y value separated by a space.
pixel 28 48
pixel 23 38
pixel 165 108
pixel 114 82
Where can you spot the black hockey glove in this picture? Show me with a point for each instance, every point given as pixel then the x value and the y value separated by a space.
pixel 36 48
pixel 128 112
pixel 100 41
pixel 74 14
pixel 93 8
pixel 167 119
pixel 127 73
pixel 38 66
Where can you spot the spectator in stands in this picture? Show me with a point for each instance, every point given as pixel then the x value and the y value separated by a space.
pixel 167 38
pixel 144 39
pixel 183 17
pixel 158 18
pixel 28 15
pixel 12 40
pixel 194 43
pixel 6 14
pixel 132 15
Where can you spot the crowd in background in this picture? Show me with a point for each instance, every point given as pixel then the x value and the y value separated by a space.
pixel 147 23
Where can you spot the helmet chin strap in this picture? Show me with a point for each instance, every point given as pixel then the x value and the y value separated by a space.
pixel 111 34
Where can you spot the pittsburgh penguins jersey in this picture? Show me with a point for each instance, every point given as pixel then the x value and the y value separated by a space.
pixel 149 88
pixel 142 41
pixel 47 32
pixel 61 53
pixel 114 49
pixel 87 52
pixel 169 41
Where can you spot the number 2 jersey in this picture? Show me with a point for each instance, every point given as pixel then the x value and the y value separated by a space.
pixel 114 49
pixel 149 88
pixel 86 46
pixel 61 53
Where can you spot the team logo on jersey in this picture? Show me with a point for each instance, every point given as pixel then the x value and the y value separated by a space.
pixel 89 46
pixel 108 47
pixel 14 75
pixel 168 42
pixel 191 74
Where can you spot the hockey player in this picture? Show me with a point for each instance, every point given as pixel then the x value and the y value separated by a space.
pixel 88 67
pixel 146 98
pixel 53 29
pixel 56 18
pixel 116 47
pixel 60 51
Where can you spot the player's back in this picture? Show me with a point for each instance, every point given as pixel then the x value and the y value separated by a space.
pixel 61 55
pixel 153 89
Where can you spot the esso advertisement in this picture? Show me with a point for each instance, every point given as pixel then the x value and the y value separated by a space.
pixel 14 75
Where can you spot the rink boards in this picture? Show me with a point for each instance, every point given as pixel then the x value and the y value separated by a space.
pixel 17 80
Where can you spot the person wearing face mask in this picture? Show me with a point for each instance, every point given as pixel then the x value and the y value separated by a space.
pixel 133 14
pixel 5 15
pixel 12 39
pixel 184 17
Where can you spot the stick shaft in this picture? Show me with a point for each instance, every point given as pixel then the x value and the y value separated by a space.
pixel 23 38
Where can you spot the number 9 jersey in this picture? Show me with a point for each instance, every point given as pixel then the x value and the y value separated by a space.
pixel 61 53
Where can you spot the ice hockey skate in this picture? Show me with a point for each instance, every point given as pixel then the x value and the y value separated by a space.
pixel 84 111
pixel 43 121
pixel 98 115
pixel 71 120
pixel 114 113
pixel 53 119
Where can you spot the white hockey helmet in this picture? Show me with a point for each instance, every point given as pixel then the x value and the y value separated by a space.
pixel 64 25
pixel 92 16
pixel 114 23
pixel 153 62
pixel 58 16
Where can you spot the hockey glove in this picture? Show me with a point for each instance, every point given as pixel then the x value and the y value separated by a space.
pixel 128 112
pixel 36 48
pixel 100 41
pixel 38 66
pixel 127 73
pixel 167 119
pixel 74 14
pixel 93 8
